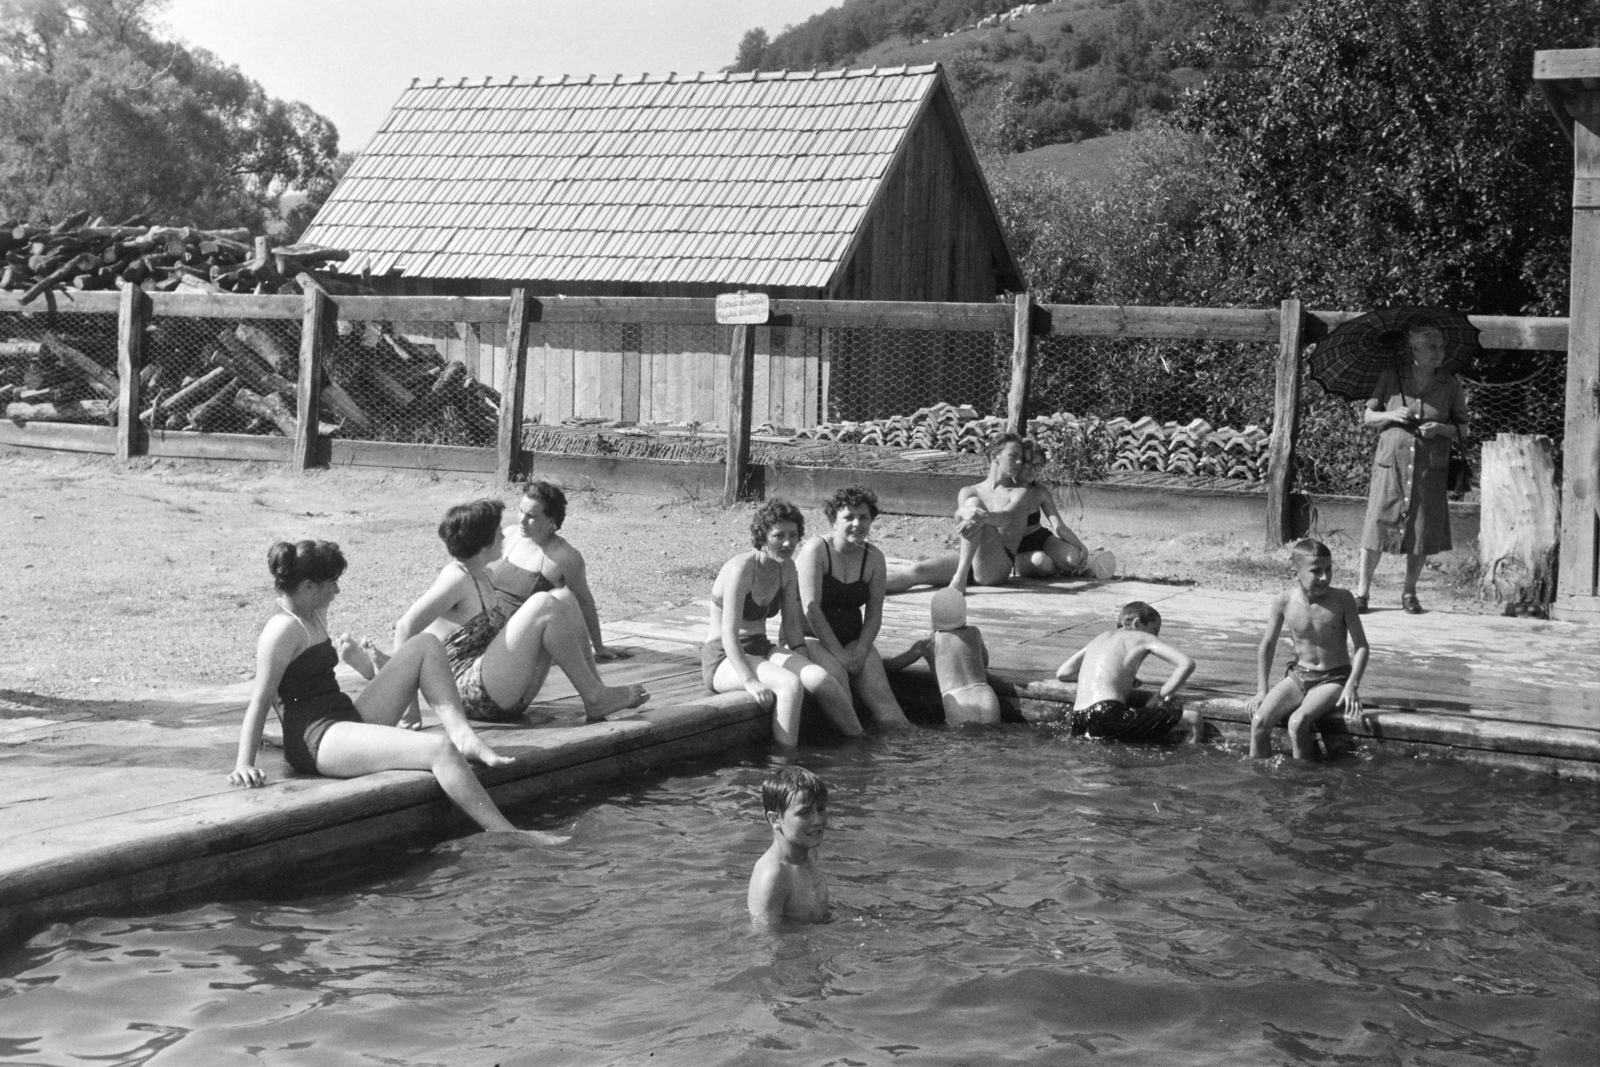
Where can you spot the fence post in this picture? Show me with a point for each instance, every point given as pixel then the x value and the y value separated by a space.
pixel 1022 345
pixel 513 374
pixel 308 392
pixel 132 314
pixel 1285 425
pixel 741 371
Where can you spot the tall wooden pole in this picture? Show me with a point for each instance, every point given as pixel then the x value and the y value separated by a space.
pixel 741 387
pixel 1571 79
pixel 132 315
pixel 1022 348
pixel 1285 425
pixel 308 392
pixel 514 375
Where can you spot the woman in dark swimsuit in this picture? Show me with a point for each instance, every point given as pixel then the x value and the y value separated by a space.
pixel 537 559
pixel 737 654
pixel 500 659
pixel 327 733
pixel 841 590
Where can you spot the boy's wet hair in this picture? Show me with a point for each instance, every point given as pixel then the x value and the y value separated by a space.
pixel 1002 442
pixel 769 515
pixel 468 529
pixel 787 784
pixel 551 500
pixel 1136 613
pixel 851 496
pixel 303 561
pixel 1309 548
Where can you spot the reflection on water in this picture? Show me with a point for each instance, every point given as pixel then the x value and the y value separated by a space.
pixel 1010 896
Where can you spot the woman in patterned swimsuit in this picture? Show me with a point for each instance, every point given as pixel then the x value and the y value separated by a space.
pixel 843 616
pixel 751 588
pixel 500 659
pixel 538 559
pixel 325 731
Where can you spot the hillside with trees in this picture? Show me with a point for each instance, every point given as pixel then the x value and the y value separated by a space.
pixel 99 112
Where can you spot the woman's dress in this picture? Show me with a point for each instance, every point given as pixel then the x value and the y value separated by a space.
pixel 1408 508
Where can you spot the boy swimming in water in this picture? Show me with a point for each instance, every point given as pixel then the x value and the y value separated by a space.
pixel 786 883
pixel 1107 672
pixel 959 659
pixel 1322 620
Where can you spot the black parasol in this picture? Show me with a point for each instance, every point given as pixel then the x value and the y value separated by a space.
pixel 1350 359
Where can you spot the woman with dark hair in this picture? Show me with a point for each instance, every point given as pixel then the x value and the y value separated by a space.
pixel 841 590
pixel 500 659
pixel 538 559
pixel 994 517
pixel 325 731
pixel 751 588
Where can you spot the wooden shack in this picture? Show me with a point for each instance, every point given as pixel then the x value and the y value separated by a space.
pixel 852 185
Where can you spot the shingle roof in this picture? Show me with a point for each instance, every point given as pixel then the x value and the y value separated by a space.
pixel 756 179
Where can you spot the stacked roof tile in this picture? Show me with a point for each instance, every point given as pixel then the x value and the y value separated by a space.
pixel 752 179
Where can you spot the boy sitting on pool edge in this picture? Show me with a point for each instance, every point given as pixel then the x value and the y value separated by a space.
pixel 960 662
pixel 1107 704
pixel 1322 620
pixel 786 883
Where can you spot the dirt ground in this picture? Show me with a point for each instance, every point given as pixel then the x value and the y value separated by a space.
pixel 124 581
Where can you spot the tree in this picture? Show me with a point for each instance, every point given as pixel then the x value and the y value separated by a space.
pixel 751 48
pixel 1396 151
pixel 98 113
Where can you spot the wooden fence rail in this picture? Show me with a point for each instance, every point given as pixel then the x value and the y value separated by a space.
pixel 1289 326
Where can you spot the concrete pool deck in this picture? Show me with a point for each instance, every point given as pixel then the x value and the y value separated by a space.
pixel 115 807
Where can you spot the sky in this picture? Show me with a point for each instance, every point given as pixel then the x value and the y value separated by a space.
pixel 351 59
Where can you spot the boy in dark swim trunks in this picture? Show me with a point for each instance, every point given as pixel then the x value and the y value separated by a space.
pixel 1322 620
pixel 1107 705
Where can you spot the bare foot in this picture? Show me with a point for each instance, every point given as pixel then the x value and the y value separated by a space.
pixel 380 658
pixel 355 655
pixel 476 749
pixel 411 718
pixel 615 698
pixel 606 653
pixel 894 722
pixel 533 837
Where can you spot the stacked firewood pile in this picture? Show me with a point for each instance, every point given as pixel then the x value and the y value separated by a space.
pixel 204 375
pixel 77 253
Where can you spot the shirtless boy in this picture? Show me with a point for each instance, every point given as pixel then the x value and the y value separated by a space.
pixel 786 883
pixel 1324 674
pixel 1107 672
pixel 960 662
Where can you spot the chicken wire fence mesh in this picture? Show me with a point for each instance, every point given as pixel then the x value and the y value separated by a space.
pixel 1507 391
pixel 1135 406
pixel 412 382
pixel 59 368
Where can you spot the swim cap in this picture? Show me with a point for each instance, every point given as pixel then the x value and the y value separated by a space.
pixel 949 609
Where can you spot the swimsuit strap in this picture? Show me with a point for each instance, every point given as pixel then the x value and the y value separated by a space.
pixel 483 601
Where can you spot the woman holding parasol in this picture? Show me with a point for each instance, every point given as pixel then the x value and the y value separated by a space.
pixel 1402 362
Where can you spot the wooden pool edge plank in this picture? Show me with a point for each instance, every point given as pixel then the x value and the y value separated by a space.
pixel 395 809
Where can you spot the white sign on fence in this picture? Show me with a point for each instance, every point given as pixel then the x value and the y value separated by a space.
pixel 741 308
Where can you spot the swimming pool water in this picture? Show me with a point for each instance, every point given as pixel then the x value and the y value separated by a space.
pixel 1009 896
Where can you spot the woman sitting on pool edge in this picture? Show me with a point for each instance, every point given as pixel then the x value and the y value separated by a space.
pixel 737 654
pixel 994 515
pixel 500 661
pixel 843 617
pixel 537 559
pixel 327 733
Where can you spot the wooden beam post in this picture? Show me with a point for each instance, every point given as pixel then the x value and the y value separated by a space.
pixel 308 391
pixel 741 392
pixel 1285 426
pixel 132 314
pixel 1570 76
pixel 514 374
pixel 1022 348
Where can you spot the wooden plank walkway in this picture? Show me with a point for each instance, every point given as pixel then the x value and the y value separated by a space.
pixel 112 807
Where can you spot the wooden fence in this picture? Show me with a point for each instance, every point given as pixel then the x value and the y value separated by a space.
pixel 508 344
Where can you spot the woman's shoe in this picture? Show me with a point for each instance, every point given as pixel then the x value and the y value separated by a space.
pixel 1361 603
pixel 1410 602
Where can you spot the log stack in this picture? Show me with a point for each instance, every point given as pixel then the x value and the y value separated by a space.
pixel 79 253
